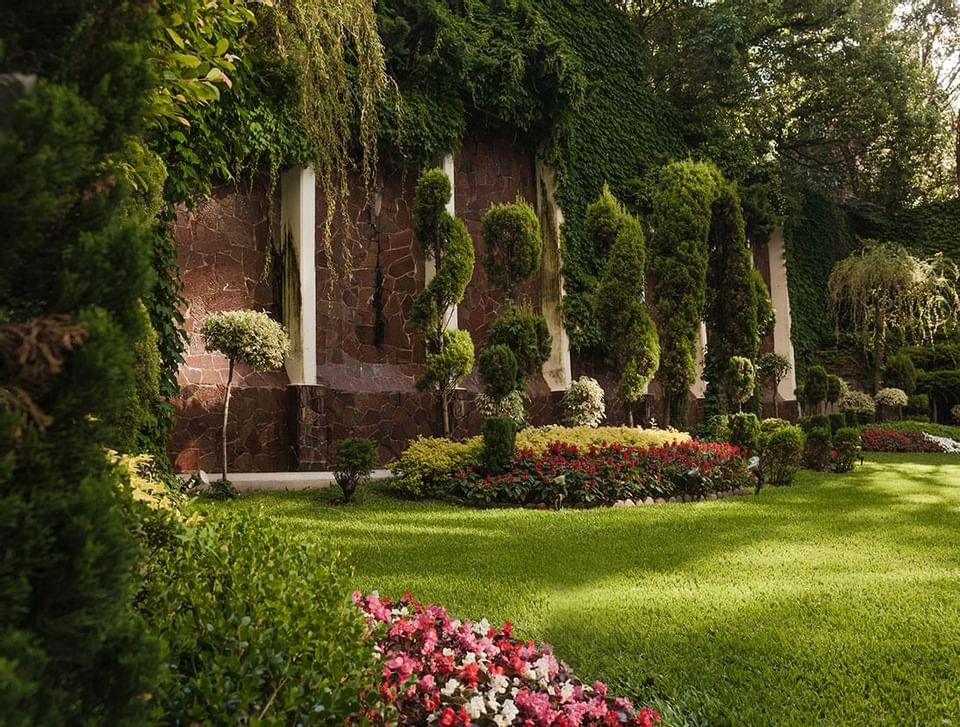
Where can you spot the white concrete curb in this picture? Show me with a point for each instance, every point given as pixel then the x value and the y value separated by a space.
pixel 283 481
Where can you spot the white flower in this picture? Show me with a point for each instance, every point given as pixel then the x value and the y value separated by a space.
pixel 499 683
pixel 566 692
pixel 482 627
pixel 509 710
pixel 470 658
pixel 450 687
pixel 543 667
pixel 449 652
pixel 475 707
pixel 455 624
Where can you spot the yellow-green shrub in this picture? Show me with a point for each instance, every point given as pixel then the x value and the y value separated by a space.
pixel 538 438
pixel 427 465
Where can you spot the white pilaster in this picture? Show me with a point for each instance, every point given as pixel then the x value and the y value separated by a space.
pixel 430 265
pixel 298 211
pixel 780 298
pixel 556 370
pixel 699 388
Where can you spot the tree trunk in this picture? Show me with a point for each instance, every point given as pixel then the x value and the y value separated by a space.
pixel 445 412
pixel 879 347
pixel 776 406
pixel 226 414
pixel 667 413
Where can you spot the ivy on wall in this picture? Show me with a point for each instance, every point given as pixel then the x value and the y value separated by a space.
pixel 814 231
pixel 928 229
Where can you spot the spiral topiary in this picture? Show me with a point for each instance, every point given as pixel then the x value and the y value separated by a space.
pixel 445 240
pixel 511 233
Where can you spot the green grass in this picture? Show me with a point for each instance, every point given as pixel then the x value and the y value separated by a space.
pixel 835 601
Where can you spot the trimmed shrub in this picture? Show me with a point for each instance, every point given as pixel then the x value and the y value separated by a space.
pixel 835 388
pixel 259 628
pixel 427 466
pixel 356 458
pixel 918 404
pixel 896 398
pixel 539 439
pixel 498 371
pixel 499 442
pixel 742 379
pixel 583 403
pixel 901 373
pixel 773 423
pixel 715 429
pixel 815 387
pixel 838 421
pixel 846 444
pixel 511 233
pixel 860 403
pixel 524 333
pixel 817 449
pixel 513 406
pixel 820 421
pixel 781 452
pixel 744 431
pixel 955 413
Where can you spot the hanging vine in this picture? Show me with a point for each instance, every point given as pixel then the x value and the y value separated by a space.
pixel 337 59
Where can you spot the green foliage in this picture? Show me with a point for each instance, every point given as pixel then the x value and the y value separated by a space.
pixel 901 373
pixel 499 443
pixel 741 379
pixel 629 333
pixel 814 231
pixel 781 451
pixel 230 602
pixel 918 404
pixel 430 209
pixel 846 442
pixel 772 368
pixel 583 404
pixel 744 431
pixel 732 297
pixel 428 464
pixel 771 424
pixel 817 448
pixel 838 421
pixel 835 387
pixel 356 458
pixel 524 333
pixel 816 386
pixel 78 196
pixel 445 240
pixel 932 357
pixel 246 336
pixel 681 223
pixel 511 233
pixel 513 406
pixel 498 371
pixel 144 422
pixel 450 364
pixel 926 229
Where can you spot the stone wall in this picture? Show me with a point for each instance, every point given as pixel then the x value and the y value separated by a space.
pixel 221 253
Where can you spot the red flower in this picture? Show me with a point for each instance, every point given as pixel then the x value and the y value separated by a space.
pixel 447 717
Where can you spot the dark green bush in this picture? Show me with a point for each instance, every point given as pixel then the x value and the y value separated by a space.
pixel 499 443
pixel 918 404
pixel 781 452
pixel 853 419
pixel 815 387
pixel 816 450
pixel 526 334
pixel 744 431
pixel 818 421
pixel 511 233
pixel 260 629
pixel 497 365
pixel 355 459
pixel 837 421
pixel 901 373
pixel 834 388
pixel 846 442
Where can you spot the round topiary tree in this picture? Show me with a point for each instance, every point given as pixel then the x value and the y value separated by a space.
pixel 772 368
pixel 511 233
pixel 741 380
pixel 446 241
pixel 893 398
pixel 815 387
pixel 248 337
pixel 631 336
pixel 498 371
pixel 526 334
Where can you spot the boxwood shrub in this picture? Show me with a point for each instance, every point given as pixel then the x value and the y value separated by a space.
pixel 260 629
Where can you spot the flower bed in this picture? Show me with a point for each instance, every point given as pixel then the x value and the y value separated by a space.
pixel 602 475
pixel 888 440
pixel 441 671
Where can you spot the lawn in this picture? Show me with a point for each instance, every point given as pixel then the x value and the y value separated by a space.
pixel 835 601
